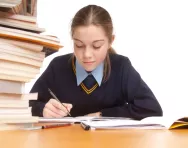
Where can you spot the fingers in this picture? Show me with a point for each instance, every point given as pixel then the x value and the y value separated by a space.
pixel 50 114
pixel 68 106
pixel 59 106
pixel 55 103
pixel 55 109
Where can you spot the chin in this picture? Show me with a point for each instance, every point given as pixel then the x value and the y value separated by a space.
pixel 89 68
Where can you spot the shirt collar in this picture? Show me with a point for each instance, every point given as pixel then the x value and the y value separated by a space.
pixel 81 74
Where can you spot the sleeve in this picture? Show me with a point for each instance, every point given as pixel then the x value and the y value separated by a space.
pixel 139 101
pixel 41 86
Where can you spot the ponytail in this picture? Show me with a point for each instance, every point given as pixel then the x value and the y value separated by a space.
pixel 107 65
pixel 111 51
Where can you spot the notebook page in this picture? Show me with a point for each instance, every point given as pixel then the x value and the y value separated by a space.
pixel 116 124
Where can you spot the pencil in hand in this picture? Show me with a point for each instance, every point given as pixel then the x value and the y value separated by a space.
pixel 54 96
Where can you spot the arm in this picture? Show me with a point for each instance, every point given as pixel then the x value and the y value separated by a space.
pixel 140 102
pixel 41 86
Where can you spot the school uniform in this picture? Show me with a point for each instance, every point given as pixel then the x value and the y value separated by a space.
pixel 124 94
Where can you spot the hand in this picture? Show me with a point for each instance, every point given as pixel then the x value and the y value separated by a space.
pixel 97 114
pixel 54 109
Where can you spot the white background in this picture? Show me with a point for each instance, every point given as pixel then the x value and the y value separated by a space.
pixel 153 34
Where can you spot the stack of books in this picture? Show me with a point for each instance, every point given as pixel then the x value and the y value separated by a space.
pixel 22 51
pixel 23 7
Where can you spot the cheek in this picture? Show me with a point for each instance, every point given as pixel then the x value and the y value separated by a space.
pixel 101 55
pixel 77 53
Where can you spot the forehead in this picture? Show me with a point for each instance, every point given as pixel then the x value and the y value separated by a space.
pixel 89 33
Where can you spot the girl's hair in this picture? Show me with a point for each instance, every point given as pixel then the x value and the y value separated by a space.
pixel 96 15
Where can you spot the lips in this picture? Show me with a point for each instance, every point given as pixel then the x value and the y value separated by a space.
pixel 89 62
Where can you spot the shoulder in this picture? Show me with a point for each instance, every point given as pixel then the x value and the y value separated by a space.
pixel 119 61
pixel 62 60
pixel 122 66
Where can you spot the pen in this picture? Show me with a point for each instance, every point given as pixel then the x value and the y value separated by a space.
pixel 58 100
pixel 55 125
pixel 84 126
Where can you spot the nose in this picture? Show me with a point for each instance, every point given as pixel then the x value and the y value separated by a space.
pixel 87 53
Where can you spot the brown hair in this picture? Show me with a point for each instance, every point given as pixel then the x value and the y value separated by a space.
pixel 96 15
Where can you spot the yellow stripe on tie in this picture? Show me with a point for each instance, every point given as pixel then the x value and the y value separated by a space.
pixel 88 91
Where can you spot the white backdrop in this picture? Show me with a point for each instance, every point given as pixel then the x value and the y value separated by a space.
pixel 153 34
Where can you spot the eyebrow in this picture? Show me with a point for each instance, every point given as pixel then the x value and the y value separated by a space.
pixel 93 41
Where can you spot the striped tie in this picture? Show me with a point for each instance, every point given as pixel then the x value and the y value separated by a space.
pixel 89 81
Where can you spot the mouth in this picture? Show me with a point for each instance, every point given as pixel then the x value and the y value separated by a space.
pixel 89 62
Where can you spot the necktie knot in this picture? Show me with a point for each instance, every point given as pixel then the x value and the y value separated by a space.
pixel 89 81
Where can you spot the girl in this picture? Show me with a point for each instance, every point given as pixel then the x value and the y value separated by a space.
pixel 94 80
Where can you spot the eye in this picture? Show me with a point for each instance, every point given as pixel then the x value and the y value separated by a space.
pixel 79 46
pixel 96 47
pixel 98 44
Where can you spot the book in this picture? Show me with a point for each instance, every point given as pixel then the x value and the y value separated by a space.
pixel 15 111
pixel 16 120
pixel 11 49
pixel 47 41
pixel 12 87
pixel 28 96
pixel 146 123
pixel 10 4
pixel 20 25
pixel 19 59
pixel 18 17
pixel 8 116
pixel 28 34
pixel 14 78
pixel 23 44
pixel 14 103
pixel 19 66
pixel 23 7
pixel 18 126
pixel 18 72
pixel 29 46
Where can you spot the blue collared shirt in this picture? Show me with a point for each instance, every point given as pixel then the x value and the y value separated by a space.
pixel 81 74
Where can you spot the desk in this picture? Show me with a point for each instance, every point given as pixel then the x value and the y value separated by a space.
pixel 75 137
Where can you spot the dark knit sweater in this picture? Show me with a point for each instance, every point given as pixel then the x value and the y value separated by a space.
pixel 125 94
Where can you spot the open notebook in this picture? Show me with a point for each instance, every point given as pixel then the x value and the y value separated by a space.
pixel 78 119
pixel 122 123
pixel 146 123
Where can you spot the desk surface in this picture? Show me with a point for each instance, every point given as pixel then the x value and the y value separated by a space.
pixel 75 137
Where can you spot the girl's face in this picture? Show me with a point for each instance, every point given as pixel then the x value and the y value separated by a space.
pixel 90 46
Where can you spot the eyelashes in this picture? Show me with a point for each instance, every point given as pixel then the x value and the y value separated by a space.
pixel 77 46
pixel 96 47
